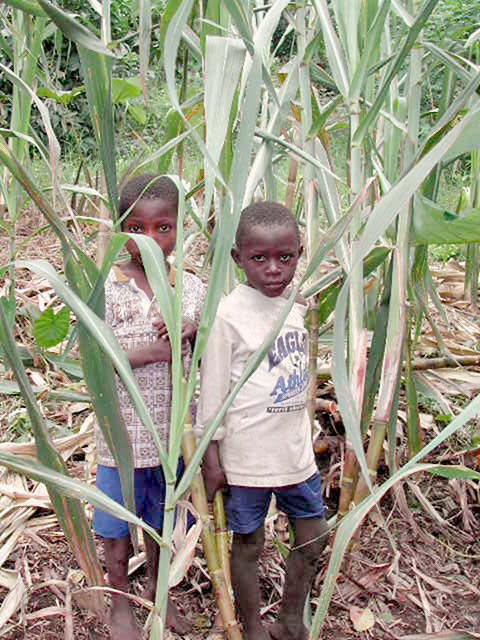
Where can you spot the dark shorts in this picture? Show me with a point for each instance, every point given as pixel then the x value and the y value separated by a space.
pixel 149 490
pixel 246 507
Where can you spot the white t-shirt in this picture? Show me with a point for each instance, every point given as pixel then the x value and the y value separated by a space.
pixel 265 439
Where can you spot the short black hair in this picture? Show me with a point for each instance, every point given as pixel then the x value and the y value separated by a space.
pixel 265 214
pixel 147 186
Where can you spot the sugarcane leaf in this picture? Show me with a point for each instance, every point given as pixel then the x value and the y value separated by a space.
pixel 69 511
pixel 97 71
pixel 20 174
pixel 224 59
pixel 412 34
pixel 335 52
pixel 9 307
pixel 27 6
pixel 392 202
pixel 433 224
pixel 93 325
pixel 10 388
pixel 455 471
pixel 72 488
pixel 53 144
pixel 50 328
pixel 73 29
pixel 145 36
pixel 371 44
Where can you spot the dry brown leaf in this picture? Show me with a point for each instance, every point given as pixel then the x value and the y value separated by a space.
pixel 362 619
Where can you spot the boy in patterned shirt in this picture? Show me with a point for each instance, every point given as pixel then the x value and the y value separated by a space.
pixel 133 314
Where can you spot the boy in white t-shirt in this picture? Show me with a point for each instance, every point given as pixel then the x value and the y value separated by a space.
pixel 264 445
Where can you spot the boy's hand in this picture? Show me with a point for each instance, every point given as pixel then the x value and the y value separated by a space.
pixel 215 480
pixel 213 474
pixel 161 351
pixel 188 333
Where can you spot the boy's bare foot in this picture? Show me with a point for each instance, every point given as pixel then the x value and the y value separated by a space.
pixel 280 631
pixel 175 621
pixel 122 622
pixel 256 633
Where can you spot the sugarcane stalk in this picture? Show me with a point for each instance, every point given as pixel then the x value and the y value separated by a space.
pixel 221 536
pixel 313 320
pixel 210 548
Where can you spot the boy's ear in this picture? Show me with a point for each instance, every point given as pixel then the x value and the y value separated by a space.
pixel 235 255
pixel 300 250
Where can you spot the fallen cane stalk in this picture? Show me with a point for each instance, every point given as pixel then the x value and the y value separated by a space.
pixel 210 549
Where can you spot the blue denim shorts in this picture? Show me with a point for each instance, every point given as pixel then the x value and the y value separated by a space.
pixel 149 490
pixel 246 507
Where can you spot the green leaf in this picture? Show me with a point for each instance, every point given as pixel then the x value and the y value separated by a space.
pixel 395 67
pixel 455 471
pixel 73 488
pixel 51 328
pixel 69 511
pixel 27 6
pixel 137 113
pixel 125 88
pixel 9 308
pixel 432 224
pixel 74 30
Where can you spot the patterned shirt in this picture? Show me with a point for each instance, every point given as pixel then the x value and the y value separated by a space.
pixel 131 314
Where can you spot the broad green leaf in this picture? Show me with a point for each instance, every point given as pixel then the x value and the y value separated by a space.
pixel 125 88
pixel 61 97
pixel 50 328
pixel 137 113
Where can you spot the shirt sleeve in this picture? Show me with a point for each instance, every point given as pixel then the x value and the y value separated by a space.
pixel 215 376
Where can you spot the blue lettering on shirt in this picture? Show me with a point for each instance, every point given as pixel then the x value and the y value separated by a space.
pixel 291 344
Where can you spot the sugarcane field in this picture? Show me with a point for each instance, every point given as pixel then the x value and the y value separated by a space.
pixel 239 319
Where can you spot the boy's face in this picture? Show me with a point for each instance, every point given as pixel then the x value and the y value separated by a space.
pixel 155 218
pixel 269 257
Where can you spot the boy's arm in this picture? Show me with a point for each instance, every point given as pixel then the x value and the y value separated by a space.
pixel 215 376
pixel 158 351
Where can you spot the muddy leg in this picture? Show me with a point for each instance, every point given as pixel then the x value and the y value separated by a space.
pixel 122 621
pixel 246 552
pixel 301 567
